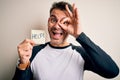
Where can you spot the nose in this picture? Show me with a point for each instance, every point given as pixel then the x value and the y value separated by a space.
pixel 56 25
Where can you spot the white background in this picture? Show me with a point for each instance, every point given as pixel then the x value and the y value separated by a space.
pixel 100 20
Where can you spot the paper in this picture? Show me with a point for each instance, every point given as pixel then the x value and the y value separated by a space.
pixel 38 36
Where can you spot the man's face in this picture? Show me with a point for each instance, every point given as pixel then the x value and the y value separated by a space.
pixel 57 34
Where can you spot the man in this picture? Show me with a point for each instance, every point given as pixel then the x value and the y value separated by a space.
pixel 58 59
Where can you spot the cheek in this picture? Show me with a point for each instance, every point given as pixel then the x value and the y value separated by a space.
pixel 66 35
pixel 49 26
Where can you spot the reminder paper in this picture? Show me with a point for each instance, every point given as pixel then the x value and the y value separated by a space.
pixel 38 36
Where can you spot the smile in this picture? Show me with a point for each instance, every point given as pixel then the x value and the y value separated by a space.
pixel 57 34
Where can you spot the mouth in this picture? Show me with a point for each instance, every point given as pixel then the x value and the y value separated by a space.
pixel 57 34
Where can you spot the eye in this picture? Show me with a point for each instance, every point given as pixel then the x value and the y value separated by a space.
pixel 53 20
pixel 66 23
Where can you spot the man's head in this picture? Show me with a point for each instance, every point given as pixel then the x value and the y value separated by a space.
pixel 58 13
pixel 61 5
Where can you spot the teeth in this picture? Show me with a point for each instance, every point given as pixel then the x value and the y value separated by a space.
pixel 57 33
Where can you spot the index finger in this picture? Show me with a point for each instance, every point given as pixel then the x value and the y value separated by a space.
pixel 29 41
pixel 68 10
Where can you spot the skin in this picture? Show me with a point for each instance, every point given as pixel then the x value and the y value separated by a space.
pixel 60 25
pixel 57 34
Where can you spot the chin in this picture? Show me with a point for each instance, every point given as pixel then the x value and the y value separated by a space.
pixel 56 42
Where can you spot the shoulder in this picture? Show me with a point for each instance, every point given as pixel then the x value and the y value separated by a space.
pixel 79 49
pixel 36 49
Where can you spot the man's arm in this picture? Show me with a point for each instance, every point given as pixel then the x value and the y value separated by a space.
pixel 96 59
pixel 23 74
pixel 23 70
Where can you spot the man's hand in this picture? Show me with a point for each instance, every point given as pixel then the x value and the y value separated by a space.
pixel 71 24
pixel 25 50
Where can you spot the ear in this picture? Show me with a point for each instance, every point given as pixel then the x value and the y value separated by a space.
pixel 48 19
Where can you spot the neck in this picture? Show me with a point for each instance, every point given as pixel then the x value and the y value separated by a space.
pixel 60 45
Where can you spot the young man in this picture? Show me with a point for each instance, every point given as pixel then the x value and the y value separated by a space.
pixel 58 59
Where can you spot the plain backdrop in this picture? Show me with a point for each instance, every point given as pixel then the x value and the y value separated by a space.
pixel 100 20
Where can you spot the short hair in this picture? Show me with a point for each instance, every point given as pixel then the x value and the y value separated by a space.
pixel 61 5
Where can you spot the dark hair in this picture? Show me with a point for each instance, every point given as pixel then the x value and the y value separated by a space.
pixel 61 5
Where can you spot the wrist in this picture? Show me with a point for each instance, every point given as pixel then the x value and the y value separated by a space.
pixel 76 35
pixel 23 66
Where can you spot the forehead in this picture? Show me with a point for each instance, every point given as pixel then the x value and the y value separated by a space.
pixel 58 13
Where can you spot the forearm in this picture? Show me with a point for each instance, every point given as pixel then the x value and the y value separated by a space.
pixel 22 74
pixel 101 62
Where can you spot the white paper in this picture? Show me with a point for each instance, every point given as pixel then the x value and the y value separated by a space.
pixel 38 36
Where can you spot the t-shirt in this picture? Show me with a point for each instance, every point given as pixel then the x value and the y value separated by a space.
pixel 52 63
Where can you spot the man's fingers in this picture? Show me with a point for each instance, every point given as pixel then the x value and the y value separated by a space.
pixel 68 10
pixel 64 23
pixel 25 50
pixel 76 14
pixel 26 43
pixel 29 41
pixel 24 59
pixel 65 20
pixel 25 47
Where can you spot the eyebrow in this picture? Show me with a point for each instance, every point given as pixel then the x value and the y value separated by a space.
pixel 52 16
pixel 56 17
